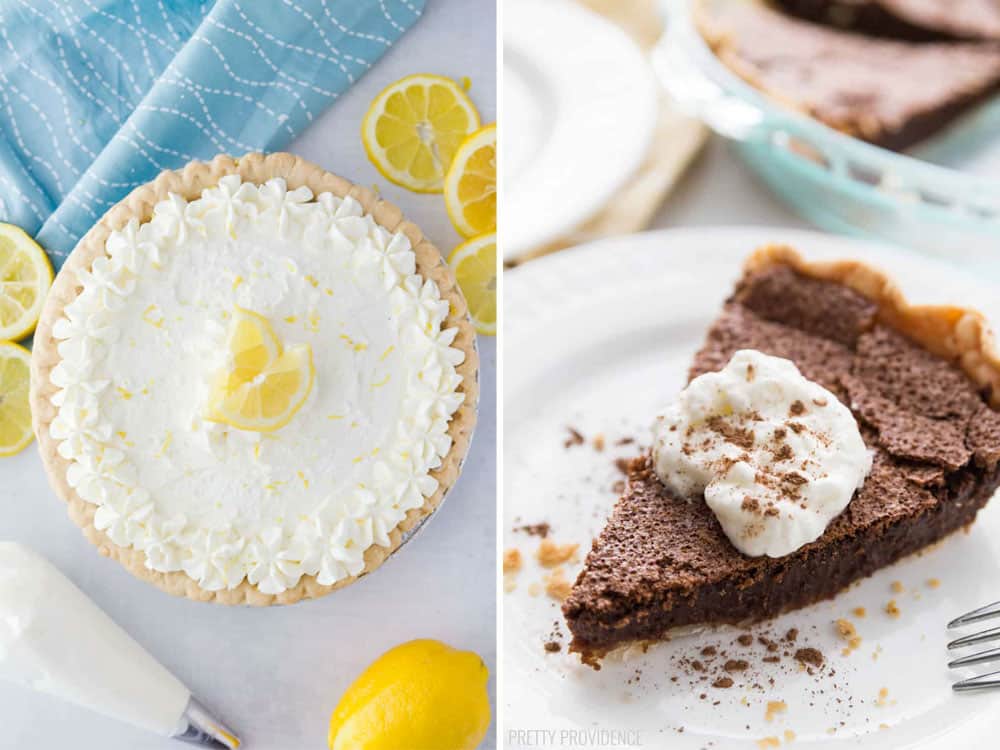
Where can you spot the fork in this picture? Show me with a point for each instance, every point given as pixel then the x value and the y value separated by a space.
pixel 986 681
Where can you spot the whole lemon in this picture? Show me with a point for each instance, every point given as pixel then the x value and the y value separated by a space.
pixel 420 695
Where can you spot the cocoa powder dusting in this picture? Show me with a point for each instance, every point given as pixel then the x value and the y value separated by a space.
pixel 738 436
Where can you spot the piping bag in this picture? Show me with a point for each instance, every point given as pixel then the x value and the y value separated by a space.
pixel 54 639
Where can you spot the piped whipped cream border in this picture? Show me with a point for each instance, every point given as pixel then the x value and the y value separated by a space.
pixel 330 550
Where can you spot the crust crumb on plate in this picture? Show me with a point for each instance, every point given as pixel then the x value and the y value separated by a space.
pixel 551 554
pixel 512 561
pixel 557 586
pixel 773 708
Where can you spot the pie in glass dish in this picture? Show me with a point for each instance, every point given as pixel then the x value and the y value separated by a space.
pixel 252 380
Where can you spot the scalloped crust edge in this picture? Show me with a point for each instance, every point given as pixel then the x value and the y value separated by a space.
pixel 189 182
pixel 958 334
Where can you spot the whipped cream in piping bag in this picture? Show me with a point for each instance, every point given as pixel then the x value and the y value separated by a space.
pixel 55 640
pixel 775 455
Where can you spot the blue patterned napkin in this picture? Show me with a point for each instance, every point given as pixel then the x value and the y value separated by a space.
pixel 99 96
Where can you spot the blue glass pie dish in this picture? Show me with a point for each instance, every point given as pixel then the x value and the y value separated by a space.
pixel 942 197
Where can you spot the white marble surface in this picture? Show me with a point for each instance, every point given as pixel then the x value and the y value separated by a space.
pixel 275 674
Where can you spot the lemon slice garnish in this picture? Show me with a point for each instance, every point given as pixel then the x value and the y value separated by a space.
pixel 25 278
pixel 475 266
pixel 470 187
pixel 264 384
pixel 414 127
pixel 252 343
pixel 15 411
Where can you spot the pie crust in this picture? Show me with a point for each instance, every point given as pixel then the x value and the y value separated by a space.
pixel 189 183
pixel 955 333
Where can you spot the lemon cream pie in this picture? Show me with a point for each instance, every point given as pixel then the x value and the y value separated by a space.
pixel 251 379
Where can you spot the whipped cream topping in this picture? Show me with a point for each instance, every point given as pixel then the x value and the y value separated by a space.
pixel 143 338
pixel 776 456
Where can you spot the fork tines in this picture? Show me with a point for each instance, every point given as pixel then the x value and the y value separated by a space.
pixel 983 613
pixel 986 681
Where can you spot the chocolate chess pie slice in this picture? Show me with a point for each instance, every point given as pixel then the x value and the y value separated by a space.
pixel 922 385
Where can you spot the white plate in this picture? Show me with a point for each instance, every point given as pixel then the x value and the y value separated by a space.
pixel 597 338
pixel 579 110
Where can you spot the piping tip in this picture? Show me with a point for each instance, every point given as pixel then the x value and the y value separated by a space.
pixel 198 726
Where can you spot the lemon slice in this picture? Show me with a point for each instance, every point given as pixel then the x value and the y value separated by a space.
pixel 25 277
pixel 264 385
pixel 414 127
pixel 475 266
pixel 15 412
pixel 470 187
pixel 252 343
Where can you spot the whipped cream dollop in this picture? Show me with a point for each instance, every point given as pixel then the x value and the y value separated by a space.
pixel 146 333
pixel 775 455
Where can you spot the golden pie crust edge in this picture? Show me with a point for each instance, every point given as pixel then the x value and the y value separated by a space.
pixel 958 334
pixel 189 182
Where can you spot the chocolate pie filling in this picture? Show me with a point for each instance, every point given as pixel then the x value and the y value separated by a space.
pixel 908 20
pixel 894 94
pixel 662 562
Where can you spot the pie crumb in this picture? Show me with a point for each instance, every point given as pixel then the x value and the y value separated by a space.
pixel 847 631
pixel 809 656
pixel 933 583
pixel 766 742
pixel 598 442
pixel 774 707
pixel 509 584
pixel 883 698
pixel 892 609
pixel 557 586
pixel 535 529
pixel 551 554
pixel 859 612
pixel 897 587
pixel 723 682
pixel 789 735
pixel 511 561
